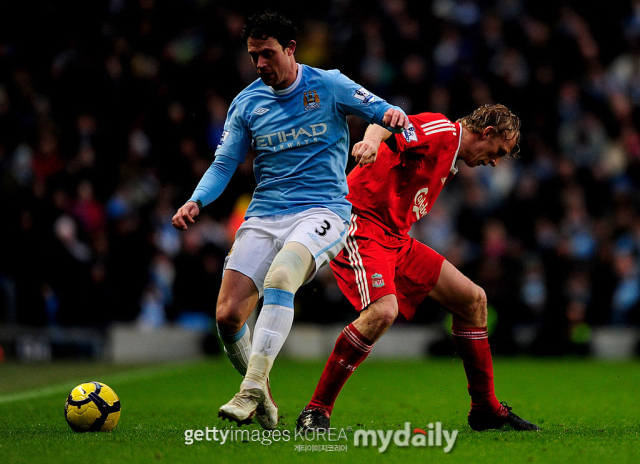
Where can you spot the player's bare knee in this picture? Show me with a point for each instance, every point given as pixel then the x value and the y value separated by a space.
pixel 477 313
pixel 383 313
pixel 387 314
pixel 229 319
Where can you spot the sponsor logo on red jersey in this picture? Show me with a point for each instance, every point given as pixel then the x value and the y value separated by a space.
pixel 420 202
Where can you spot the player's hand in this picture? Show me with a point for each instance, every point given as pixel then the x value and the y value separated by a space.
pixel 396 120
pixel 365 152
pixel 185 215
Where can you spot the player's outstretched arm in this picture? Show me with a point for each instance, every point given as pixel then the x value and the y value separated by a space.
pixel 209 188
pixel 185 215
pixel 366 151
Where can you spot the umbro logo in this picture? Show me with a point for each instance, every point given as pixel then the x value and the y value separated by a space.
pixel 260 111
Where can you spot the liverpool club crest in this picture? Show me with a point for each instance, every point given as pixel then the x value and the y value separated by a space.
pixel 377 281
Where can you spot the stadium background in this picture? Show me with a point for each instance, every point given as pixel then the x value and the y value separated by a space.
pixel 110 112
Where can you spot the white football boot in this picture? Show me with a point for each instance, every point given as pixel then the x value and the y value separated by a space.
pixel 250 403
pixel 242 406
pixel 267 412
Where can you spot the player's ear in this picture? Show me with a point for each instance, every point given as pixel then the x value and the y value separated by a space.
pixel 291 48
pixel 488 131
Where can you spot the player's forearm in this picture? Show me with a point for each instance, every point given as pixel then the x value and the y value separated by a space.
pixel 215 180
pixel 376 134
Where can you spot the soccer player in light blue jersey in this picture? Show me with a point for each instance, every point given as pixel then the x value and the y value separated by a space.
pixel 294 117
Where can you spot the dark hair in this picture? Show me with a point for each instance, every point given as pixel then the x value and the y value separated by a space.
pixel 270 24
pixel 498 116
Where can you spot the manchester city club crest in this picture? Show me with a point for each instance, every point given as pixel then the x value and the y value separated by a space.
pixel 311 100
pixel 377 281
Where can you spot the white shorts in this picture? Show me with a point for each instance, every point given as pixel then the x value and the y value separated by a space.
pixel 259 239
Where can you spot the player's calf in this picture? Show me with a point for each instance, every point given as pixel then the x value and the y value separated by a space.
pixel 236 301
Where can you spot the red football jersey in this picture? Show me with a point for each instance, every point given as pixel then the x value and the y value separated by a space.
pixel 401 186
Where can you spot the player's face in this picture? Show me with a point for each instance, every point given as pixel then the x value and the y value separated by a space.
pixel 272 61
pixel 491 149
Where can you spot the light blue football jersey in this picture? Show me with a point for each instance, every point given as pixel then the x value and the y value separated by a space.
pixel 301 138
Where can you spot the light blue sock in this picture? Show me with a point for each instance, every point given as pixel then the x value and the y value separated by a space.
pixel 270 333
pixel 238 348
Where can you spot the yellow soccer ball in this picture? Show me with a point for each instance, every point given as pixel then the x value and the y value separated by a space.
pixel 92 407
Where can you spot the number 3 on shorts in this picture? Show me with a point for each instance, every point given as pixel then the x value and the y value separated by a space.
pixel 324 228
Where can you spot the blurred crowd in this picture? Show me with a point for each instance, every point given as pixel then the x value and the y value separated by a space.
pixel 110 112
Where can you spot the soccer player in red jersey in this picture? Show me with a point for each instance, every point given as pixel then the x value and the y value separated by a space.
pixel 383 271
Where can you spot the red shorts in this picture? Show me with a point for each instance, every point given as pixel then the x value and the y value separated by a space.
pixel 375 263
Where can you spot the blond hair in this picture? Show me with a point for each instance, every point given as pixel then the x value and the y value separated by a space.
pixel 500 118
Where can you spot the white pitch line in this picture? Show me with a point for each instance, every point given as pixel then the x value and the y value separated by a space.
pixel 121 377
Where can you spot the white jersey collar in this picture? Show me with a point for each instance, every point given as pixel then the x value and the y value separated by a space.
pixel 454 168
pixel 292 87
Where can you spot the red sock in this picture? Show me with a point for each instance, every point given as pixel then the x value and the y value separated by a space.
pixel 472 344
pixel 350 350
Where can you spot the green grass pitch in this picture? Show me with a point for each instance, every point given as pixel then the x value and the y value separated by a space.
pixel 589 412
